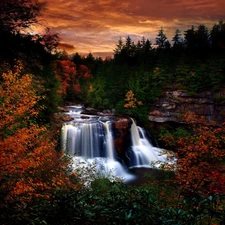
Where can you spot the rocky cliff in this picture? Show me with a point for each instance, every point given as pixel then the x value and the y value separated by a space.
pixel 173 103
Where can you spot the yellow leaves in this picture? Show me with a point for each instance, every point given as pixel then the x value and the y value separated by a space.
pixel 132 102
pixel 18 97
pixel 30 166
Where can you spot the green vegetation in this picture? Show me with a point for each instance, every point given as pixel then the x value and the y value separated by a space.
pixel 116 203
pixel 194 63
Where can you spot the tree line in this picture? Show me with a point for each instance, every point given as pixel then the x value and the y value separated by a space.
pixel 193 62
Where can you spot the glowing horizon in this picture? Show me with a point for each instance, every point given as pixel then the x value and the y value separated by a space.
pixel 96 25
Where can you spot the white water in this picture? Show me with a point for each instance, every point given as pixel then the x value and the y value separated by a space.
pixel 82 139
pixel 90 142
pixel 143 153
pixel 109 141
pixel 89 139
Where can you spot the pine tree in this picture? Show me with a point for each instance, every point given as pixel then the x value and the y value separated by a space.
pixel 161 39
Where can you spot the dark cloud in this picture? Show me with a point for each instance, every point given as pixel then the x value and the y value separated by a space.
pixel 67 47
pixel 96 25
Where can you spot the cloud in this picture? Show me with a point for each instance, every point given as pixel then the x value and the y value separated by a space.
pixel 96 25
pixel 67 47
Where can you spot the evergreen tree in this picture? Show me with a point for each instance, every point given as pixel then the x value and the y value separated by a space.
pixel 161 39
pixel 76 58
pixel 119 47
pixel 177 39
pixel 128 43
pixel 178 43
pixel 147 47
pixel 143 40
pixel 190 39
pixel 138 47
pixel 202 39
pixel 126 53
pixel 217 35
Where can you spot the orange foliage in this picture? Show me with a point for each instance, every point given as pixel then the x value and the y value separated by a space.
pixel 71 77
pixel 200 157
pixel 84 72
pixel 17 99
pixel 132 102
pixel 66 72
pixel 30 166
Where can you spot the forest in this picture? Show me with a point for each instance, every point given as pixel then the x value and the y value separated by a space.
pixel 37 182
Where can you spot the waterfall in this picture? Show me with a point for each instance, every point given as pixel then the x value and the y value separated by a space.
pixel 90 142
pixel 142 153
pixel 84 139
pixel 109 141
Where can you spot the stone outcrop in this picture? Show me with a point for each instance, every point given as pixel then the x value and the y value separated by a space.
pixel 121 128
pixel 173 103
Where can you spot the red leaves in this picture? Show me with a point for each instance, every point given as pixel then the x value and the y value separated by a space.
pixel 71 77
pixel 200 156
pixel 30 166
pixel 66 71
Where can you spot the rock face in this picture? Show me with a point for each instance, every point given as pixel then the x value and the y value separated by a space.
pixel 173 103
pixel 121 128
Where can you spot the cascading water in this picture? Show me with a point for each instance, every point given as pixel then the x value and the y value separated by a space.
pixel 109 141
pixel 84 139
pixel 90 139
pixel 142 153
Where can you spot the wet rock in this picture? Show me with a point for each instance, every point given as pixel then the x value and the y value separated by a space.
pixel 85 117
pixel 62 109
pixel 90 111
pixel 121 130
pixel 61 118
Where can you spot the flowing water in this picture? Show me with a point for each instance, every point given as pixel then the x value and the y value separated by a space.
pixel 89 139
pixel 143 154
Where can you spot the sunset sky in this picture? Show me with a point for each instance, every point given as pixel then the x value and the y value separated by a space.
pixel 95 26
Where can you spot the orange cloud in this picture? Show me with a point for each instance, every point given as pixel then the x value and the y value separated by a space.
pixel 96 25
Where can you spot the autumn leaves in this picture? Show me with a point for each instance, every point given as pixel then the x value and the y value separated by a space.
pixel 30 166
pixel 200 156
